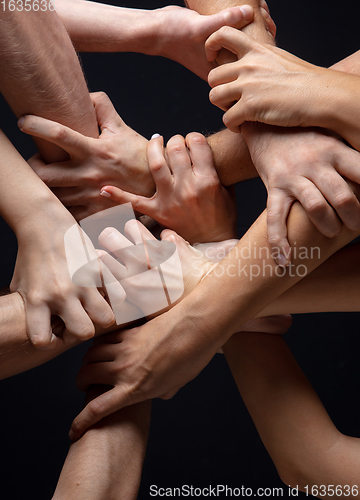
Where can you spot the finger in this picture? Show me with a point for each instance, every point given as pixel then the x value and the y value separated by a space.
pixel 321 214
pixel 38 323
pixel 270 24
pixel 101 407
pixel 231 39
pixel 137 232
pixel 348 165
pixel 36 162
pixel 99 353
pixel 56 174
pixel 118 270
pixel 223 74
pixel 70 196
pixel 264 5
pixel 106 114
pixel 179 159
pixel 236 116
pixel 341 197
pixel 278 207
pixel 139 203
pixel 77 322
pixel 158 166
pixel 200 155
pixel 225 96
pixel 71 141
pixel 238 17
pixel 115 337
pixel 113 241
pixel 133 256
pixel 97 308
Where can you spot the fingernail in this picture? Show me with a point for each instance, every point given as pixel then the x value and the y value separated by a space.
pixel 282 261
pixel 105 193
pixel 247 11
pixel 155 136
pixel 21 122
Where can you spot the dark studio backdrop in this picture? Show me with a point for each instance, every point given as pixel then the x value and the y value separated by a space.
pixel 204 435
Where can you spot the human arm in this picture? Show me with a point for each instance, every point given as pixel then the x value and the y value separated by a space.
pixel 107 461
pixel 172 32
pixel 161 356
pixel 40 68
pixel 41 73
pixel 294 426
pixel 267 85
pixel 278 177
pixel 189 198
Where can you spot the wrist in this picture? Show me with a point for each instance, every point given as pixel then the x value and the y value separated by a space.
pixel 12 315
pixel 44 217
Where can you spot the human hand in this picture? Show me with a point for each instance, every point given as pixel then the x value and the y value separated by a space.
pixel 127 355
pixel 189 197
pixel 182 33
pixel 117 157
pixel 137 258
pixel 306 165
pixel 42 278
pixel 148 362
pixel 266 84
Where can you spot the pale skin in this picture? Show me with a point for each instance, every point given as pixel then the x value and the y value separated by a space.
pixel 304 444
pixel 268 85
pixel 118 157
pixel 278 174
pixel 313 158
pixel 130 428
pixel 203 324
pixel 31 80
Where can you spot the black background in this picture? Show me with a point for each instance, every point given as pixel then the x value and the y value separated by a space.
pixel 204 435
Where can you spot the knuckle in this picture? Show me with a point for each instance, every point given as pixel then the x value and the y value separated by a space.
pixel 95 409
pixel 196 138
pixel 316 207
pixel 36 298
pixel 100 96
pixel 345 200
pixel 157 165
pixel 59 133
pixel 274 241
pixel 175 144
pixel 85 332
pixel 273 216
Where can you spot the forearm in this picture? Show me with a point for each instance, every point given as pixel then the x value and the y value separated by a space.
pixel 256 29
pixel 17 354
pixel 248 280
pixel 107 461
pixel 22 194
pixel 98 27
pixel 231 157
pixel 332 287
pixel 294 426
pixel 41 73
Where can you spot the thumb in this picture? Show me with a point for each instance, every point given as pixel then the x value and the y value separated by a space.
pixel 100 407
pixel 237 17
pixel 106 114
